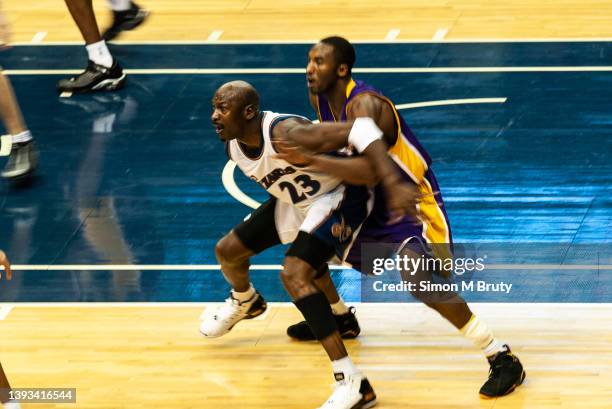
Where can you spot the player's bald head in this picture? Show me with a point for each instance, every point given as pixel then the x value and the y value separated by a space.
pixel 238 94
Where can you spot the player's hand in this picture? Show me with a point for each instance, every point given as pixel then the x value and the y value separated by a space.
pixel 402 199
pixel 4 262
pixel 293 153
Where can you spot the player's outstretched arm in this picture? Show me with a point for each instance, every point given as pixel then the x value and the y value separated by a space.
pixel 324 137
pixel 353 170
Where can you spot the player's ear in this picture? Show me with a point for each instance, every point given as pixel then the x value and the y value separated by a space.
pixel 250 111
pixel 342 70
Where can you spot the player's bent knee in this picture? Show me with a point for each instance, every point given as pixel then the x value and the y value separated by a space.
pixel 229 250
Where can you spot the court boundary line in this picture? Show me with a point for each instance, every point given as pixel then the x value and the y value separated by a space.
pixel 268 267
pixel 360 41
pixel 281 70
pixel 140 304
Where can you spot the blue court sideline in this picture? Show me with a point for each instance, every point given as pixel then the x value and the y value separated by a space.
pixel 134 177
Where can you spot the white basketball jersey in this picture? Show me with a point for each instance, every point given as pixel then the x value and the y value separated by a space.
pixel 291 184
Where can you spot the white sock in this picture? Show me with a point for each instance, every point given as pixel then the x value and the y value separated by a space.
pixel 339 308
pixel 346 366
pixel 22 137
pixel 98 53
pixel 120 5
pixel 481 335
pixel 244 296
pixel 12 405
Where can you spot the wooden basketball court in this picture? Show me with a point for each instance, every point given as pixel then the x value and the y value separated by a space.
pixel 152 355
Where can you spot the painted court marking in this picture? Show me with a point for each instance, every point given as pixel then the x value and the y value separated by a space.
pixel 215 35
pixel 268 267
pixel 38 37
pixel 440 34
pixel 383 70
pixel 360 41
pixel 5 311
pixel 392 34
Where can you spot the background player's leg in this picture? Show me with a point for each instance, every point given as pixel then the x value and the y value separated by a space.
pixel 83 15
pixel 103 72
pixel 22 160
pixel 5 387
pixel 9 109
pixel 127 15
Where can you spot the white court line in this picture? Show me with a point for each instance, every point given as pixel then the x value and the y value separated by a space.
pixel 215 35
pixel 452 102
pixel 38 37
pixel 157 304
pixel 227 178
pixel 392 34
pixel 267 267
pixel 440 34
pixel 5 311
pixel 387 70
pixel 360 41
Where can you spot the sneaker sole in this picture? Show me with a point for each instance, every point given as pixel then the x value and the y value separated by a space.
pixel 344 335
pixel 365 405
pixel 509 391
pixel 106 85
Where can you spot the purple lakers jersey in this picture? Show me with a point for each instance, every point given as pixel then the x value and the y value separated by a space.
pixel 414 164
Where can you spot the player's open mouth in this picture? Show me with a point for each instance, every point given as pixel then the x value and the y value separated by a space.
pixel 218 129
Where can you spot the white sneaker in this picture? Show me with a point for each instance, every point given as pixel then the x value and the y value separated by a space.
pixel 220 321
pixel 352 392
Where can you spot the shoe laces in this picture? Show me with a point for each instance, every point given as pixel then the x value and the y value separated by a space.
pixel 232 308
pixel 341 392
pixel 499 362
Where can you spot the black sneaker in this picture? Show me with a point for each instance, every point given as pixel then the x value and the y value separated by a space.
pixel 95 78
pixel 347 325
pixel 125 21
pixel 22 162
pixel 505 375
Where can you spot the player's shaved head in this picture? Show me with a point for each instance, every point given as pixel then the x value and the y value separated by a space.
pixel 239 94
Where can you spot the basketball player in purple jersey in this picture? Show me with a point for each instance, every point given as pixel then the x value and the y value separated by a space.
pixel 336 96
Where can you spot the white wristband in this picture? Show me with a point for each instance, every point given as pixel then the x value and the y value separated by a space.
pixel 363 133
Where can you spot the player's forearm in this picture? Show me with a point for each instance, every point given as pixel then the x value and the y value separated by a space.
pixel 382 164
pixel 325 137
pixel 353 171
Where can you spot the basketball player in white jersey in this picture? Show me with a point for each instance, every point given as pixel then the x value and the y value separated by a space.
pixel 313 211
pixel 5 387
